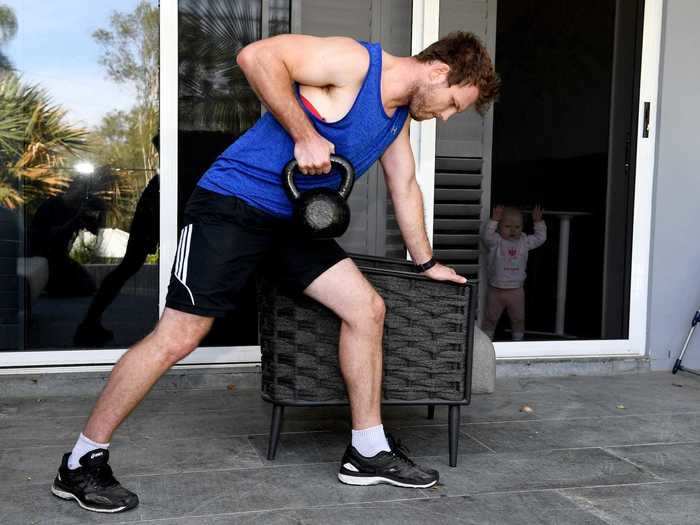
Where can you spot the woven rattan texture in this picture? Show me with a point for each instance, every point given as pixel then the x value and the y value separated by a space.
pixel 425 342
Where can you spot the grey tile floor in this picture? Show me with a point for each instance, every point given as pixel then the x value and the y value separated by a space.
pixel 595 450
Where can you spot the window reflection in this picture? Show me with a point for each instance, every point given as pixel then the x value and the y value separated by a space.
pixel 216 106
pixel 78 184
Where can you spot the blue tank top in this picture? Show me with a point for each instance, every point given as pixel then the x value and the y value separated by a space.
pixel 251 167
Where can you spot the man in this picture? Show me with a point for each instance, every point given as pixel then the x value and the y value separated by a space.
pixel 324 96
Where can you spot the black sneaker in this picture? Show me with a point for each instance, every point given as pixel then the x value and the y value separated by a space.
pixel 92 484
pixel 394 468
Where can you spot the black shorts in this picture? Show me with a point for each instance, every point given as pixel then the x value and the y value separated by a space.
pixel 224 243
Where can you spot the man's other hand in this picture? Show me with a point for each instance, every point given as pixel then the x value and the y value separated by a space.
pixel 440 272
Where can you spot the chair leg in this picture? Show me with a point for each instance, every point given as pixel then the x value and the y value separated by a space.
pixel 431 411
pixel 453 429
pixel 277 414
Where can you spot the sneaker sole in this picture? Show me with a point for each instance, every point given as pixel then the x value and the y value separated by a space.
pixel 376 480
pixel 68 496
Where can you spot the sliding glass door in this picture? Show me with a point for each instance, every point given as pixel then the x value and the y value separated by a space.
pixel 79 236
pixel 565 134
pixel 564 139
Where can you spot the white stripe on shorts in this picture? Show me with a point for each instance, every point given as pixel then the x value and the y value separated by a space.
pixel 181 258
pixel 186 258
pixel 181 251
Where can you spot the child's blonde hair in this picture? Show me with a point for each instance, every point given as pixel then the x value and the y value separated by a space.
pixel 512 212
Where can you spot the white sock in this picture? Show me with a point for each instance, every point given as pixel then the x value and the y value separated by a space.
pixel 370 441
pixel 82 447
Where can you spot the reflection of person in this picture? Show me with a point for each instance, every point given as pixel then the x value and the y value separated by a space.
pixel 53 229
pixel 238 218
pixel 143 239
pixel 507 261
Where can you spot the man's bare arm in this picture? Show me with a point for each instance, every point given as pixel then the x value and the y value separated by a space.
pixel 400 174
pixel 272 65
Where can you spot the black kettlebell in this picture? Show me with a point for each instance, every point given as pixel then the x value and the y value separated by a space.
pixel 321 213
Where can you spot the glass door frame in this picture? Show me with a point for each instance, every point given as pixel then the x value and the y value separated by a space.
pixel 169 123
pixel 426 24
pixel 96 359
pixel 425 30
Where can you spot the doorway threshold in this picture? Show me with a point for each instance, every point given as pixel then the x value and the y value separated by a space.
pixel 569 366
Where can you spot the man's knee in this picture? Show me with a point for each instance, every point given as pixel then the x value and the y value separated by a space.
pixel 173 345
pixel 177 338
pixel 371 313
pixel 378 309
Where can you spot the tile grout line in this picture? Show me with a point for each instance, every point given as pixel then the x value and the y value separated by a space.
pixel 581 487
pixel 235 469
pixel 477 441
pixel 488 422
pixel 652 444
pixel 194 437
pixel 538 420
pixel 635 465
pixel 257 454
pixel 278 509
pixel 434 512
pixel 589 507
pixel 583 418
pixel 556 490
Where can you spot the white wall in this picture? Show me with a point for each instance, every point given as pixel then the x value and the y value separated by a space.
pixel 675 255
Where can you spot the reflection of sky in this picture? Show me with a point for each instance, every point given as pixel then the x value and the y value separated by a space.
pixel 55 49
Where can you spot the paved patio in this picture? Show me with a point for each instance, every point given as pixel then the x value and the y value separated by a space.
pixel 595 450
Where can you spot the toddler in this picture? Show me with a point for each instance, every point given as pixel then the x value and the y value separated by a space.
pixel 507 260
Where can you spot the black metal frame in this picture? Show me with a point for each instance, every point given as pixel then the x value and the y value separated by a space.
pixel 454 406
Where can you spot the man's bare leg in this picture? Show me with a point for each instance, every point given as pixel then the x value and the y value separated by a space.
pixel 87 478
pixel 176 335
pixel 343 289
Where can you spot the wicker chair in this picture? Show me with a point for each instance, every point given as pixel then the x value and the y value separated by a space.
pixel 428 333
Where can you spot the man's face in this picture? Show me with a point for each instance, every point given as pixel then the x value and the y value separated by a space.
pixel 435 99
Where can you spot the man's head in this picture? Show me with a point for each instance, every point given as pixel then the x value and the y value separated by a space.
pixel 458 74
pixel 511 224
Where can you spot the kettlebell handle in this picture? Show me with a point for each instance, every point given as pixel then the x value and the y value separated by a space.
pixel 345 185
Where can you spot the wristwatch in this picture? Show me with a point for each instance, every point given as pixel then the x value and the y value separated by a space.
pixel 426 265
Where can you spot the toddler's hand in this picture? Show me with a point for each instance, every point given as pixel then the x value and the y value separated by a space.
pixel 537 213
pixel 497 214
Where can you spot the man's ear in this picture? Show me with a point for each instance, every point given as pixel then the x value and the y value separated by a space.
pixel 439 71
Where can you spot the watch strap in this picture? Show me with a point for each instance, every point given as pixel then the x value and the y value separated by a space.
pixel 426 265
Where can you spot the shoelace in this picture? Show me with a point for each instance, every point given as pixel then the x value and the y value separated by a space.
pixel 399 450
pixel 102 476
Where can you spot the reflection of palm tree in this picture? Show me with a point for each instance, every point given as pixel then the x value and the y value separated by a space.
pixel 214 94
pixel 8 29
pixel 34 141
